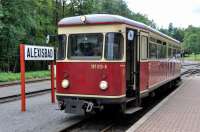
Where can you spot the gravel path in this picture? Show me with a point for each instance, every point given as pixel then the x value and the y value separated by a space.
pixel 30 87
pixel 41 116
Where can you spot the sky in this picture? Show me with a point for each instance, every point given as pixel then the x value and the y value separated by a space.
pixel 180 12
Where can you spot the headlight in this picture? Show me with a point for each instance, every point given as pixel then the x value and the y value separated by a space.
pixel 83 19
pixel 103 85
pixel 65 83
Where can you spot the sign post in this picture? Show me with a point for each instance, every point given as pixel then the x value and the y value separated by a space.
pixel 52 83
pixel 22 69
pixel 31 52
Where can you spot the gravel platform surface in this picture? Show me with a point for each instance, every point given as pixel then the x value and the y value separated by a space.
pixel 30 87
pixel 41 116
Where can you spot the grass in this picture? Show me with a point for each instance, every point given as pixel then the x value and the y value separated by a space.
pixel 9 76
pixel 192 57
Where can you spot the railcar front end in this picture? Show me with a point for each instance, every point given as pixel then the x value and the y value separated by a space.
pixel 91 71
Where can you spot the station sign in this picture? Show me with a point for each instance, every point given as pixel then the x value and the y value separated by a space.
pixel 38 52
pixel 32 52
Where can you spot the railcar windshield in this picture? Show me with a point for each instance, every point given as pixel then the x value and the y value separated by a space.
pixel 86 46
pixel 61 40
pixel 114 46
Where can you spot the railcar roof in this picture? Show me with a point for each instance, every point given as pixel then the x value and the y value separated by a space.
pixel 108 19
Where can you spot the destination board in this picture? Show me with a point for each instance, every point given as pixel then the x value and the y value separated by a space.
pixel 39 53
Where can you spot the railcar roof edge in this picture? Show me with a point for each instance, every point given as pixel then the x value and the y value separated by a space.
pixel 108 19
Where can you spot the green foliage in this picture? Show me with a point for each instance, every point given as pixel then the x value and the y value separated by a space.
pixel 174 32
pixel 23 21
pixel 9 76
pixel 190 37
pixel 1 16
pixel 193 57
pixel 192 40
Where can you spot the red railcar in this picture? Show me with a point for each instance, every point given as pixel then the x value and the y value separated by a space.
pixel 108 60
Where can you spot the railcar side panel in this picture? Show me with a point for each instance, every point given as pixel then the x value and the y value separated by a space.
pixel 153 72
pixel 160 71
pixel 144 75
pixel 84 78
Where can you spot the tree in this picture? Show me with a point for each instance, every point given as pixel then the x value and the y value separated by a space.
pixel 22 22
pixel 192 40
pixel 174 32
pixel 171 29
pixel 1 16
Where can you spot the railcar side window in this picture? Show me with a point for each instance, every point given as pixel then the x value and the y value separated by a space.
pixel 114 43
pixel 85 46
pixel 152 51
pixel 169 52
pixel 159 51
pixel 143 47
pixel 61 46
pixel 163 51
pixel 178 54
pixel 174 53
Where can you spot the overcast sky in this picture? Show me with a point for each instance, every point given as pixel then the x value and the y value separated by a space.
pixel 180 12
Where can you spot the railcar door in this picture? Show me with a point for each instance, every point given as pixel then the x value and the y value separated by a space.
pixel 131 62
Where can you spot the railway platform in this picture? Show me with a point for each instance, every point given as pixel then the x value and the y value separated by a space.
pixel 41 116
pixel 13 90
pixel 179 112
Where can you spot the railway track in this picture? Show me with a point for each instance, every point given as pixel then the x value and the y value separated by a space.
pixel 18 82
pixel 17 97
pixel 191 69
pixel 91 123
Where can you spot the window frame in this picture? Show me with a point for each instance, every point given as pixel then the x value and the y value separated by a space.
pixel 83 58
pixel 156 47
pixel 65 48
pixel 161 48
pixel 123 47
pixel 169 54
pixel 142 50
